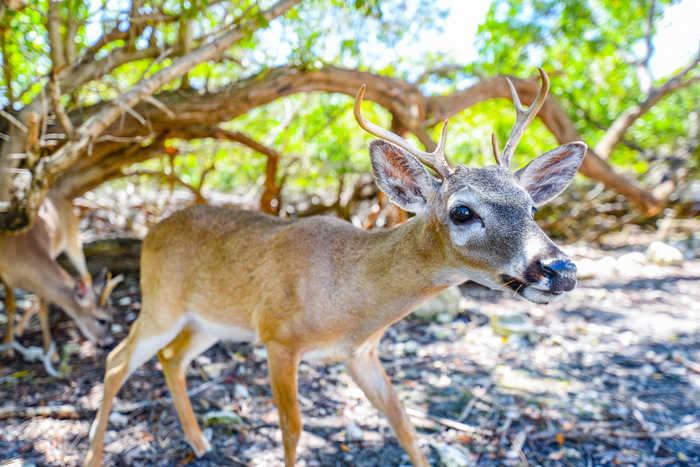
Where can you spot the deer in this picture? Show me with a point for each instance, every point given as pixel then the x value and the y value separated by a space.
pixel 28 262
pixel 322 290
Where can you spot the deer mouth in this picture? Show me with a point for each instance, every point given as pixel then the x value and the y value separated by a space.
pixel 518 286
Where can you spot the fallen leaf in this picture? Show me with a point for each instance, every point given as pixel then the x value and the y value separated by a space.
pixel 560 439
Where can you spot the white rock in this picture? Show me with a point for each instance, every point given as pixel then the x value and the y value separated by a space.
pixel 451 456
pixel 446 304
pixel 260 353
pixel 240 391
pixel 630 263
pixel 505 325
pixel 354 432
pixel 124 301
pixel 585 268
pixel 33 354
pixel 118 420
pixel 663 254
pixel 603 267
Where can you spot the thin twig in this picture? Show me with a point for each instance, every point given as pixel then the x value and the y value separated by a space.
pixel 449 423
pixel 14 121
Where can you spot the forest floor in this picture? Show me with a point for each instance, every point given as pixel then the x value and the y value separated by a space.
pixel 607 376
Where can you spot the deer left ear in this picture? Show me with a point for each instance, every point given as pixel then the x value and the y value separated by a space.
pixel 549 174
pixel 401 176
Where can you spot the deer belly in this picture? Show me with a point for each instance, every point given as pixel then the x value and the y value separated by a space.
pixel 225 332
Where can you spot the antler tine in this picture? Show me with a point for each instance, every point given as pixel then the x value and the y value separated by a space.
pixel 436 160
pixel 109 286
pixel 523 117
pixel 494 146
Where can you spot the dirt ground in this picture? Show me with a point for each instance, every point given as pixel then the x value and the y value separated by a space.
pixel 607 376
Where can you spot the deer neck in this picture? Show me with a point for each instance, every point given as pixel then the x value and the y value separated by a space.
pixel 405 264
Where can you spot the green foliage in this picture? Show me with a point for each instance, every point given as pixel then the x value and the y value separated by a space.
pixel 585 46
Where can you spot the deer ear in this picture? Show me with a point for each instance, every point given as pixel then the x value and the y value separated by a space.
pixel 81 291
pixel 549 174
pixel 401 176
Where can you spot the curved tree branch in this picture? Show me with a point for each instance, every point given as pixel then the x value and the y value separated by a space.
pixel 407 104
pixel 25 200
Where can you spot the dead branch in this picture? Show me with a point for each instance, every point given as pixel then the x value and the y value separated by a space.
pixel 172 178
pixel 61 115
pixel 449 423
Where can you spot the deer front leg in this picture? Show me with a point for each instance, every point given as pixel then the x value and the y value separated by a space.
pixel 27 317
pixel 45 329
pixel 10 308
pixel 174 358
pixel 282 364
pixel 368 373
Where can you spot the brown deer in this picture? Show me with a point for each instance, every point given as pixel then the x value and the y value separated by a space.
pixel 28 262
pixel 319 288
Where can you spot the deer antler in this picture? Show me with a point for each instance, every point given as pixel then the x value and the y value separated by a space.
pixel 523 117
pixel 110 284
pixel 436 160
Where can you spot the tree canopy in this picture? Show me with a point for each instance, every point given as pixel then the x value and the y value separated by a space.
pixel 236 94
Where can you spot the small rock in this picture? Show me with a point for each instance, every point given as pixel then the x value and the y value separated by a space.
pixel 664 254
pixel 588 268
pixel 505 325
pixel 124 301
pixel 240 391
pixel 116 328
pixel 451 456
pixel 438 332
pixel 214 370
pixel 585 268
pixel 223 417
pixel 629 264
pixel 354 432
pixel 446 303
pixel 118 420
pixel 260 353
pixel 33 354
pixel 444 317
pixel 410 347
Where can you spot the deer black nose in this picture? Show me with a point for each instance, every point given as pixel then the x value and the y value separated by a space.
pixel 561 274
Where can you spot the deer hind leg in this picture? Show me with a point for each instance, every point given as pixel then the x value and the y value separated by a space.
pixel 141 344
pixel 10 308
pixel 282 363
pixel 27 317
pixel 368 373
pixel 174 358
pixel 45 329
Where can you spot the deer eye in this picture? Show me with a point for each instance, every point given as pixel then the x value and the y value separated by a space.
pixel 461 214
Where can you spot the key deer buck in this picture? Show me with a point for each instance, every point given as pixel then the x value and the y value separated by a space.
pixel 28 262
pixel 321 289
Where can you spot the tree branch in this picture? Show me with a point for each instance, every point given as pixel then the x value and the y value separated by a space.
pixel 53 26
pixel 626 119
pixel 25 202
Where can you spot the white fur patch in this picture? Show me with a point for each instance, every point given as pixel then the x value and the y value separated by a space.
pixel 460 234
pixel 148 347
pixel 221 331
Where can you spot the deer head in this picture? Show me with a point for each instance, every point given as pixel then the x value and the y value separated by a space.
pixel 92 313
pixel 485 215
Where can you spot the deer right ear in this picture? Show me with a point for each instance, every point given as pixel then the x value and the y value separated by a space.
pixel 401 176
pixel 81 291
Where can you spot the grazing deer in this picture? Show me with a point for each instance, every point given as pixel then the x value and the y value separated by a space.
pixel 28 262
pixel 319 288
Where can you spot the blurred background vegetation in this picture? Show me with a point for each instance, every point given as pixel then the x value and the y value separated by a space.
pixel 301 150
